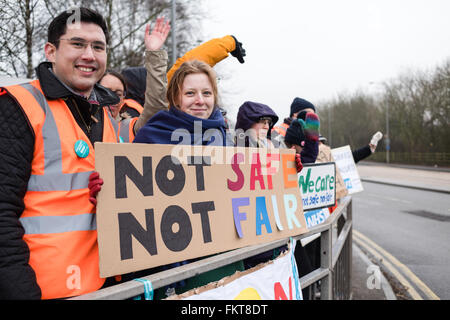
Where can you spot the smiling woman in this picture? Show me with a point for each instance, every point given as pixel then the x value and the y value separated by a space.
pixel 197 98
pixel 193 89
pixel 192 96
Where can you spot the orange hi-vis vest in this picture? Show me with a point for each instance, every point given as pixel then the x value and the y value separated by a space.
pixel 133 104
pixel 126 126
pixel 281 129
pixel 126 130
pixel 59 221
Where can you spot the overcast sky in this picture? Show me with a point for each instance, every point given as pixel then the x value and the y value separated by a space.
pixel 317 49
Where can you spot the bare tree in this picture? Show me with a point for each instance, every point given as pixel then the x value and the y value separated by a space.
pixel 419 113
pixel 127 46
pixel 18 38
pixel 436 96
pixel 353 119
pixel 23 36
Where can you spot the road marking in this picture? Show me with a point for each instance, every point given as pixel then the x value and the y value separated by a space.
pixel 414 294
pixel 387 289
pixel 382 254
pixel 383 197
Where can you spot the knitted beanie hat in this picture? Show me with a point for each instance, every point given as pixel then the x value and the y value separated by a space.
pixel 300 104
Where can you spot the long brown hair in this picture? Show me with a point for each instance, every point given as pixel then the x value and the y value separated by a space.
pixel 189 67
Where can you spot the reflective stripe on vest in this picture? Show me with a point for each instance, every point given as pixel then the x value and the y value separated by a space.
pixel 53 179
pixel 281 129
pixel 59 220
pixel 126 129
pixel 57 224
pixel 113 122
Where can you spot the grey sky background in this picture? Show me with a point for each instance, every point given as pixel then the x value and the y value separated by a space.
pixel 319 49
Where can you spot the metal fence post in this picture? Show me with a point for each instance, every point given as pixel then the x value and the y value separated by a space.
pixel 350 246
pixel 335 272
pixel 326 285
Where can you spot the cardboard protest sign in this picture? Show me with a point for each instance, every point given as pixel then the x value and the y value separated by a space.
pixel 326 156
pixel 317 184
pixel 274 280
pixel 161 204
pixel 344 161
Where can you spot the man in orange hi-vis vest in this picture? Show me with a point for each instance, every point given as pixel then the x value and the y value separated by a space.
pixel 48 242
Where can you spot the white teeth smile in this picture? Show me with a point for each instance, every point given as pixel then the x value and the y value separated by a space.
pixel 86 69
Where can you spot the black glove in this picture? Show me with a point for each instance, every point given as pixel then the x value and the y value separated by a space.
pixel 295 134
pixel 239 52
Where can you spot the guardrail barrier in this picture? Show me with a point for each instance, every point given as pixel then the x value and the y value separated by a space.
pixel 330 280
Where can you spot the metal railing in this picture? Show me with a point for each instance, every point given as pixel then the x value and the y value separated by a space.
pixel 441 159
pixel 330 280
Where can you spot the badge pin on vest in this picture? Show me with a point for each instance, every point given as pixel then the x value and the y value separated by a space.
pixel 81 149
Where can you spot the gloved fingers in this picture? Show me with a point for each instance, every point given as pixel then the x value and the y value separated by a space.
pixel 98 181
pixel 95 190
pixel 93 201
pixel 302 123
pixel 94 175
pixel 312 125
pixel 239 51
pixel 298 162
pixel 375 138
pixel 295 134
pixel 311 117
pixel 240 57
pixel 94 185
pixel 243 51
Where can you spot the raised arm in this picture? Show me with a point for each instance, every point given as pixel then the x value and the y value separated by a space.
pixel 154 39
pixel 156 66
pixel 211 52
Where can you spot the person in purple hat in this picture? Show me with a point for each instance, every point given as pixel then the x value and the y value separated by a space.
pixel 253 128
pixel 253 125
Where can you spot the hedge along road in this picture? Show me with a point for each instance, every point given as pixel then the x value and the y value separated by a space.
pixel 408 229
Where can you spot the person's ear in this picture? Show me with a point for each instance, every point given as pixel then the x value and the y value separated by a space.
pixel 50 51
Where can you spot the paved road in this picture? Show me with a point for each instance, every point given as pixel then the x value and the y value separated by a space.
pixel 413 225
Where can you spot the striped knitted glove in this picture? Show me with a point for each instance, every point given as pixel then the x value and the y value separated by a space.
pixel 311 124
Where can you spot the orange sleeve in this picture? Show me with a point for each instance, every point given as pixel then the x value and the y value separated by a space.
pixel 211 52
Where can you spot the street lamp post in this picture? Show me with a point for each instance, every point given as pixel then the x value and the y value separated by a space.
pixel 388 140
pixel 174 41
pixel 329 126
